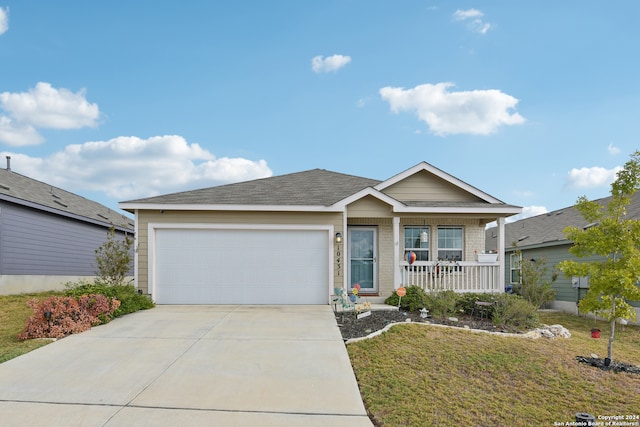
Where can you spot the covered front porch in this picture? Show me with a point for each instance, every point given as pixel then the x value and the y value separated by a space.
pixel 459 276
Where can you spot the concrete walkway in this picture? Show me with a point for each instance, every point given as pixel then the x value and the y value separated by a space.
pixel 190 366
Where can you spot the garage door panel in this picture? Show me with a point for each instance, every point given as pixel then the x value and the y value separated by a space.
pixel 230 266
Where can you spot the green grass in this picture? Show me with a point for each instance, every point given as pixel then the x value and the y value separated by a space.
pixel 417 375
pixel 14 313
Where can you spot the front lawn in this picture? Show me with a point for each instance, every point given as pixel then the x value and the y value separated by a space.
pixel 416 375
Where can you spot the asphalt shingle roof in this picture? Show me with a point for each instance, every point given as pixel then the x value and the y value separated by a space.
pixel 23 190
pixel 548 228
pixel 316 187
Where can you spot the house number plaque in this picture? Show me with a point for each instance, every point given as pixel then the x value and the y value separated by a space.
pixel 338 259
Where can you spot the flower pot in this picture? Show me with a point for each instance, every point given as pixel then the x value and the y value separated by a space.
pixel 487 257
pixel 595 333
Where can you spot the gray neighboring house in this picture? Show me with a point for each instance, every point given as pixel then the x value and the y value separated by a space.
pixel 48 236
pixel 542 236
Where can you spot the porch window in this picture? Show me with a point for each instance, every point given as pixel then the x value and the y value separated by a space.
pixel 450 243
pixel 416 239
pixel 515 265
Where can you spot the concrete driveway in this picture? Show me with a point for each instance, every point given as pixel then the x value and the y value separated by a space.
pixel 190 365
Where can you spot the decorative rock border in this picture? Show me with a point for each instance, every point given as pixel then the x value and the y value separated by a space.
pixel 553 331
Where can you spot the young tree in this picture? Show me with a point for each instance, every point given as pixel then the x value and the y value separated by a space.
pixel 534 285
pixel 114 259
pixel 615 239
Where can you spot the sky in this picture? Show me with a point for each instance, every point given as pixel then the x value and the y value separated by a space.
pixel 534 102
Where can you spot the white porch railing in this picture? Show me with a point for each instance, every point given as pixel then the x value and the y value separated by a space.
pixel 460 276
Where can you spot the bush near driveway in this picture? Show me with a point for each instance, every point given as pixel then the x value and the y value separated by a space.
pixel 67 315
pixel 130 300
pixel 14 313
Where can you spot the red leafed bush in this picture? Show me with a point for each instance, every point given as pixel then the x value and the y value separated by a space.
pixel 68 315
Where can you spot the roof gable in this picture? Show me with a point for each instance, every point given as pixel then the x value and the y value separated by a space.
pixel 423 186
pixel 438 186
pixel 22 190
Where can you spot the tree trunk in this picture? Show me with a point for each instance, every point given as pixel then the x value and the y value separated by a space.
pixel 612 330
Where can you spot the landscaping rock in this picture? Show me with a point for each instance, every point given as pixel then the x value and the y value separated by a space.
pixel 545 331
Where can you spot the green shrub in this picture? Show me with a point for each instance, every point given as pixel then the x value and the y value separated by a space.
pixel 130 300
pixel 514 313
pixel 535 281
pixel 414 300
pixel 442 304
pixel 466 303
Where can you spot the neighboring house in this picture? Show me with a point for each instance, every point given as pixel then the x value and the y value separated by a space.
pixel 293 239
pixel 48 236
pixel 542 237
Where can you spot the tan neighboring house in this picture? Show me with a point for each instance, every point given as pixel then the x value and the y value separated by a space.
pixel 295 238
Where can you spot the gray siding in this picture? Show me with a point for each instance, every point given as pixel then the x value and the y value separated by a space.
pixel 33 242
pixel 554 255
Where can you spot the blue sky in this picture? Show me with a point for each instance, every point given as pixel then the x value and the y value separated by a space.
pixel 535 103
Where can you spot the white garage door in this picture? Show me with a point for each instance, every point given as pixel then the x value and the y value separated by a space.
pixel 249 266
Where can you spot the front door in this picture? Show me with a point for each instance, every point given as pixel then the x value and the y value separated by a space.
pixel 363 259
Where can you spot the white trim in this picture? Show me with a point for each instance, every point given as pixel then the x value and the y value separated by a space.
pixel 501 257
pixel 500 209
pixel 153 226
pixel 135 250
pixel 397 207
pixel 226 207
pixel 369 191
pixel 397 276
pixel 424 166
pixel 345 241
pixel 376 254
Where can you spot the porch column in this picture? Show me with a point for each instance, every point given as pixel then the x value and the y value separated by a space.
pixel 345 261
pixel 501 254
pixel 397 278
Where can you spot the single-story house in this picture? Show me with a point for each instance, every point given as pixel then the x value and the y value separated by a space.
pixel 48 236
pixel 295 238
pixel 542 237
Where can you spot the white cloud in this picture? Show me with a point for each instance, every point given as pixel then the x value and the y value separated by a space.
pixel 473 18
pixel 613 150
pixel 47 107
pixel 523 193
pixel 18 135
pixel 477 112
pixel 461 15
pixel 320 64
pixel 527 212
pixel 43 107
pixel 126 168
pixel 4 20
pixel 591 177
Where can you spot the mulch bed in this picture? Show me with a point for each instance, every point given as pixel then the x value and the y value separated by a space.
pixel 613 366
pixel 352 327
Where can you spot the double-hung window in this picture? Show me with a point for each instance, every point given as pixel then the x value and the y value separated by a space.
pixel 515 265
pixel 416 239
pixel 450 243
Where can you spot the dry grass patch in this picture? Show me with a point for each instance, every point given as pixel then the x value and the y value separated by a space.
pixel 418 375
